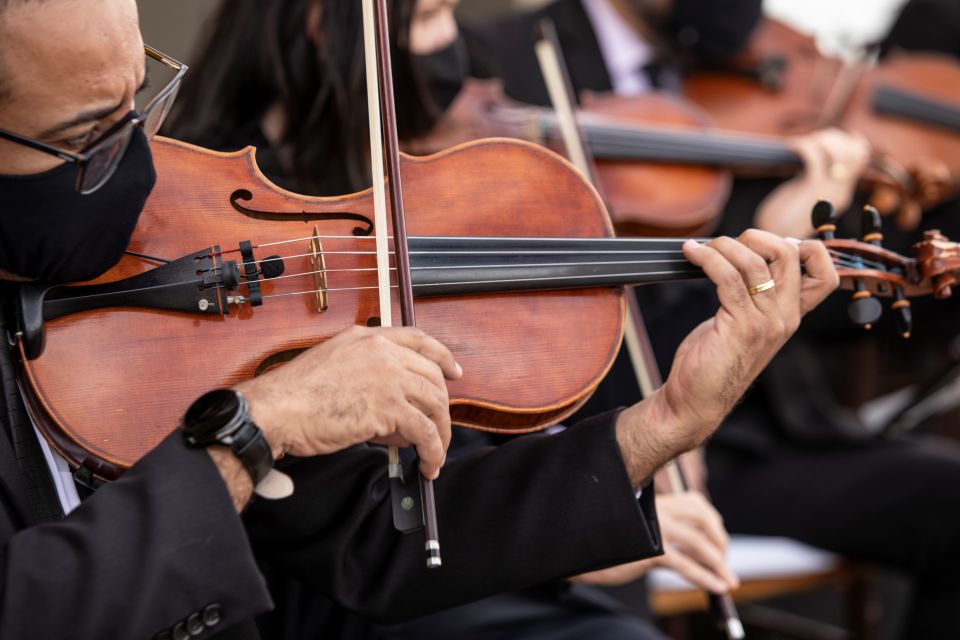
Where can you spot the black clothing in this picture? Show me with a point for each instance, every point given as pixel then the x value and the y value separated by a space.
pixel 149 550
pixel 551 612
pixel 509 517
pixel 793 459
pixel 135 559
pixel 892 503
pixel 504 49
pixel 927 25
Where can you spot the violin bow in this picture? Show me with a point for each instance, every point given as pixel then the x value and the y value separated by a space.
pixel 385 151
pixel 635 336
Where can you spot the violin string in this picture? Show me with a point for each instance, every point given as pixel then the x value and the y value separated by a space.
pixel 844 260
pixel 866 261
pixel 665 252
pixel 853 258
pixel 471 282
pixel 841 263
pixel 876 264
pixel 486 266
pixel 664 274
pixel 414 238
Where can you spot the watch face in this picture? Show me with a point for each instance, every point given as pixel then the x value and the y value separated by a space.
pixel 210 414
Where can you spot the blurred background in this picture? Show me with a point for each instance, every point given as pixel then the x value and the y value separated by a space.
pixel 173 25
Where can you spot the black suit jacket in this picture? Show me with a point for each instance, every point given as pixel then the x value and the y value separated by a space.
pixel 503 48
pixel 927 25
pixel 163 542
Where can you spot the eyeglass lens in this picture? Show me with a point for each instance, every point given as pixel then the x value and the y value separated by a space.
pixel 101 165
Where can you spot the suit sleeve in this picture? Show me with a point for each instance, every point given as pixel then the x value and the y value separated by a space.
pixel 536 509
pixel 140 556
pixel 927 25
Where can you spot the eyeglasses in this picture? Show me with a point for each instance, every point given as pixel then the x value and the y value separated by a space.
pixel 97 162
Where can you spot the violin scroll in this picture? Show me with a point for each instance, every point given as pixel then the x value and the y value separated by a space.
pixel 939 261
pixel 873 272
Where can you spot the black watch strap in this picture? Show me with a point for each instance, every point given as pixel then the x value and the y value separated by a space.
pixel 254 452
pixel 221 417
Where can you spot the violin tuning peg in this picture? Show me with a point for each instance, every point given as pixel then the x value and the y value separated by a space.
pixel 272 267
pixel 903 313
pixel 824 219
pixel 864 309
pixel 871 227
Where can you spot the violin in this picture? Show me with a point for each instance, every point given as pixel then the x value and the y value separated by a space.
pixel 905 106
pixel 513 266
pixel 665 170
pixel 775 86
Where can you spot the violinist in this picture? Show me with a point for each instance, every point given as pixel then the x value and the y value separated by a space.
pixel 310 139
pixel 162 552
pixel 791 460
pixel 632 47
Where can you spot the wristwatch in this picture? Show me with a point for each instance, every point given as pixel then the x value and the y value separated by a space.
pixel 221 417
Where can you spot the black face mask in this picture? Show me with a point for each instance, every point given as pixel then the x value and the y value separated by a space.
pixel 51 232
pixel 444 73
pixel 715 28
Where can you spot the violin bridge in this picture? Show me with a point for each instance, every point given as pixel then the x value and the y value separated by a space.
pixel 319 268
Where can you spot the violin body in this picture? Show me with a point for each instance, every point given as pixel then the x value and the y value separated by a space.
pixel 659 198
pixel 916 165
pixel 530 359
pixel 777 86
pixel 649 197
pixel 927 151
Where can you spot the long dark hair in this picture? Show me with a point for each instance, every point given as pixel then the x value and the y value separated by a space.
pixel 257 54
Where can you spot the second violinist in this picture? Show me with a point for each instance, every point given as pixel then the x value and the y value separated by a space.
pixel 795 458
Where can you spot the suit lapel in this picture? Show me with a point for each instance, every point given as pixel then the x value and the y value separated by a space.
pixel 11 477
pixel 581 48
pixel 11 482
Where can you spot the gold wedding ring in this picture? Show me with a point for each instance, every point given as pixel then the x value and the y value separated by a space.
pixel 763 286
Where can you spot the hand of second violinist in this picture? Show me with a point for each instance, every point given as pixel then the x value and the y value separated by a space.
pixel 382 385
pixel 694 545
pixel 834 161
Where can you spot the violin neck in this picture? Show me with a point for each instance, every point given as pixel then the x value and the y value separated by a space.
pixel 455 265
pixel 618 142
pixel 900 103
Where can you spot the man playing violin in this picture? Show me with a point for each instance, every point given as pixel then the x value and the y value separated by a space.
pixel 162 551
pixel 792 459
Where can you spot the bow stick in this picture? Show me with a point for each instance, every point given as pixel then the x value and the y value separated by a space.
pixel 385 150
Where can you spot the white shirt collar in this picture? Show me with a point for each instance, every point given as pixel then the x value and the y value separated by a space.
pixel 624 52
